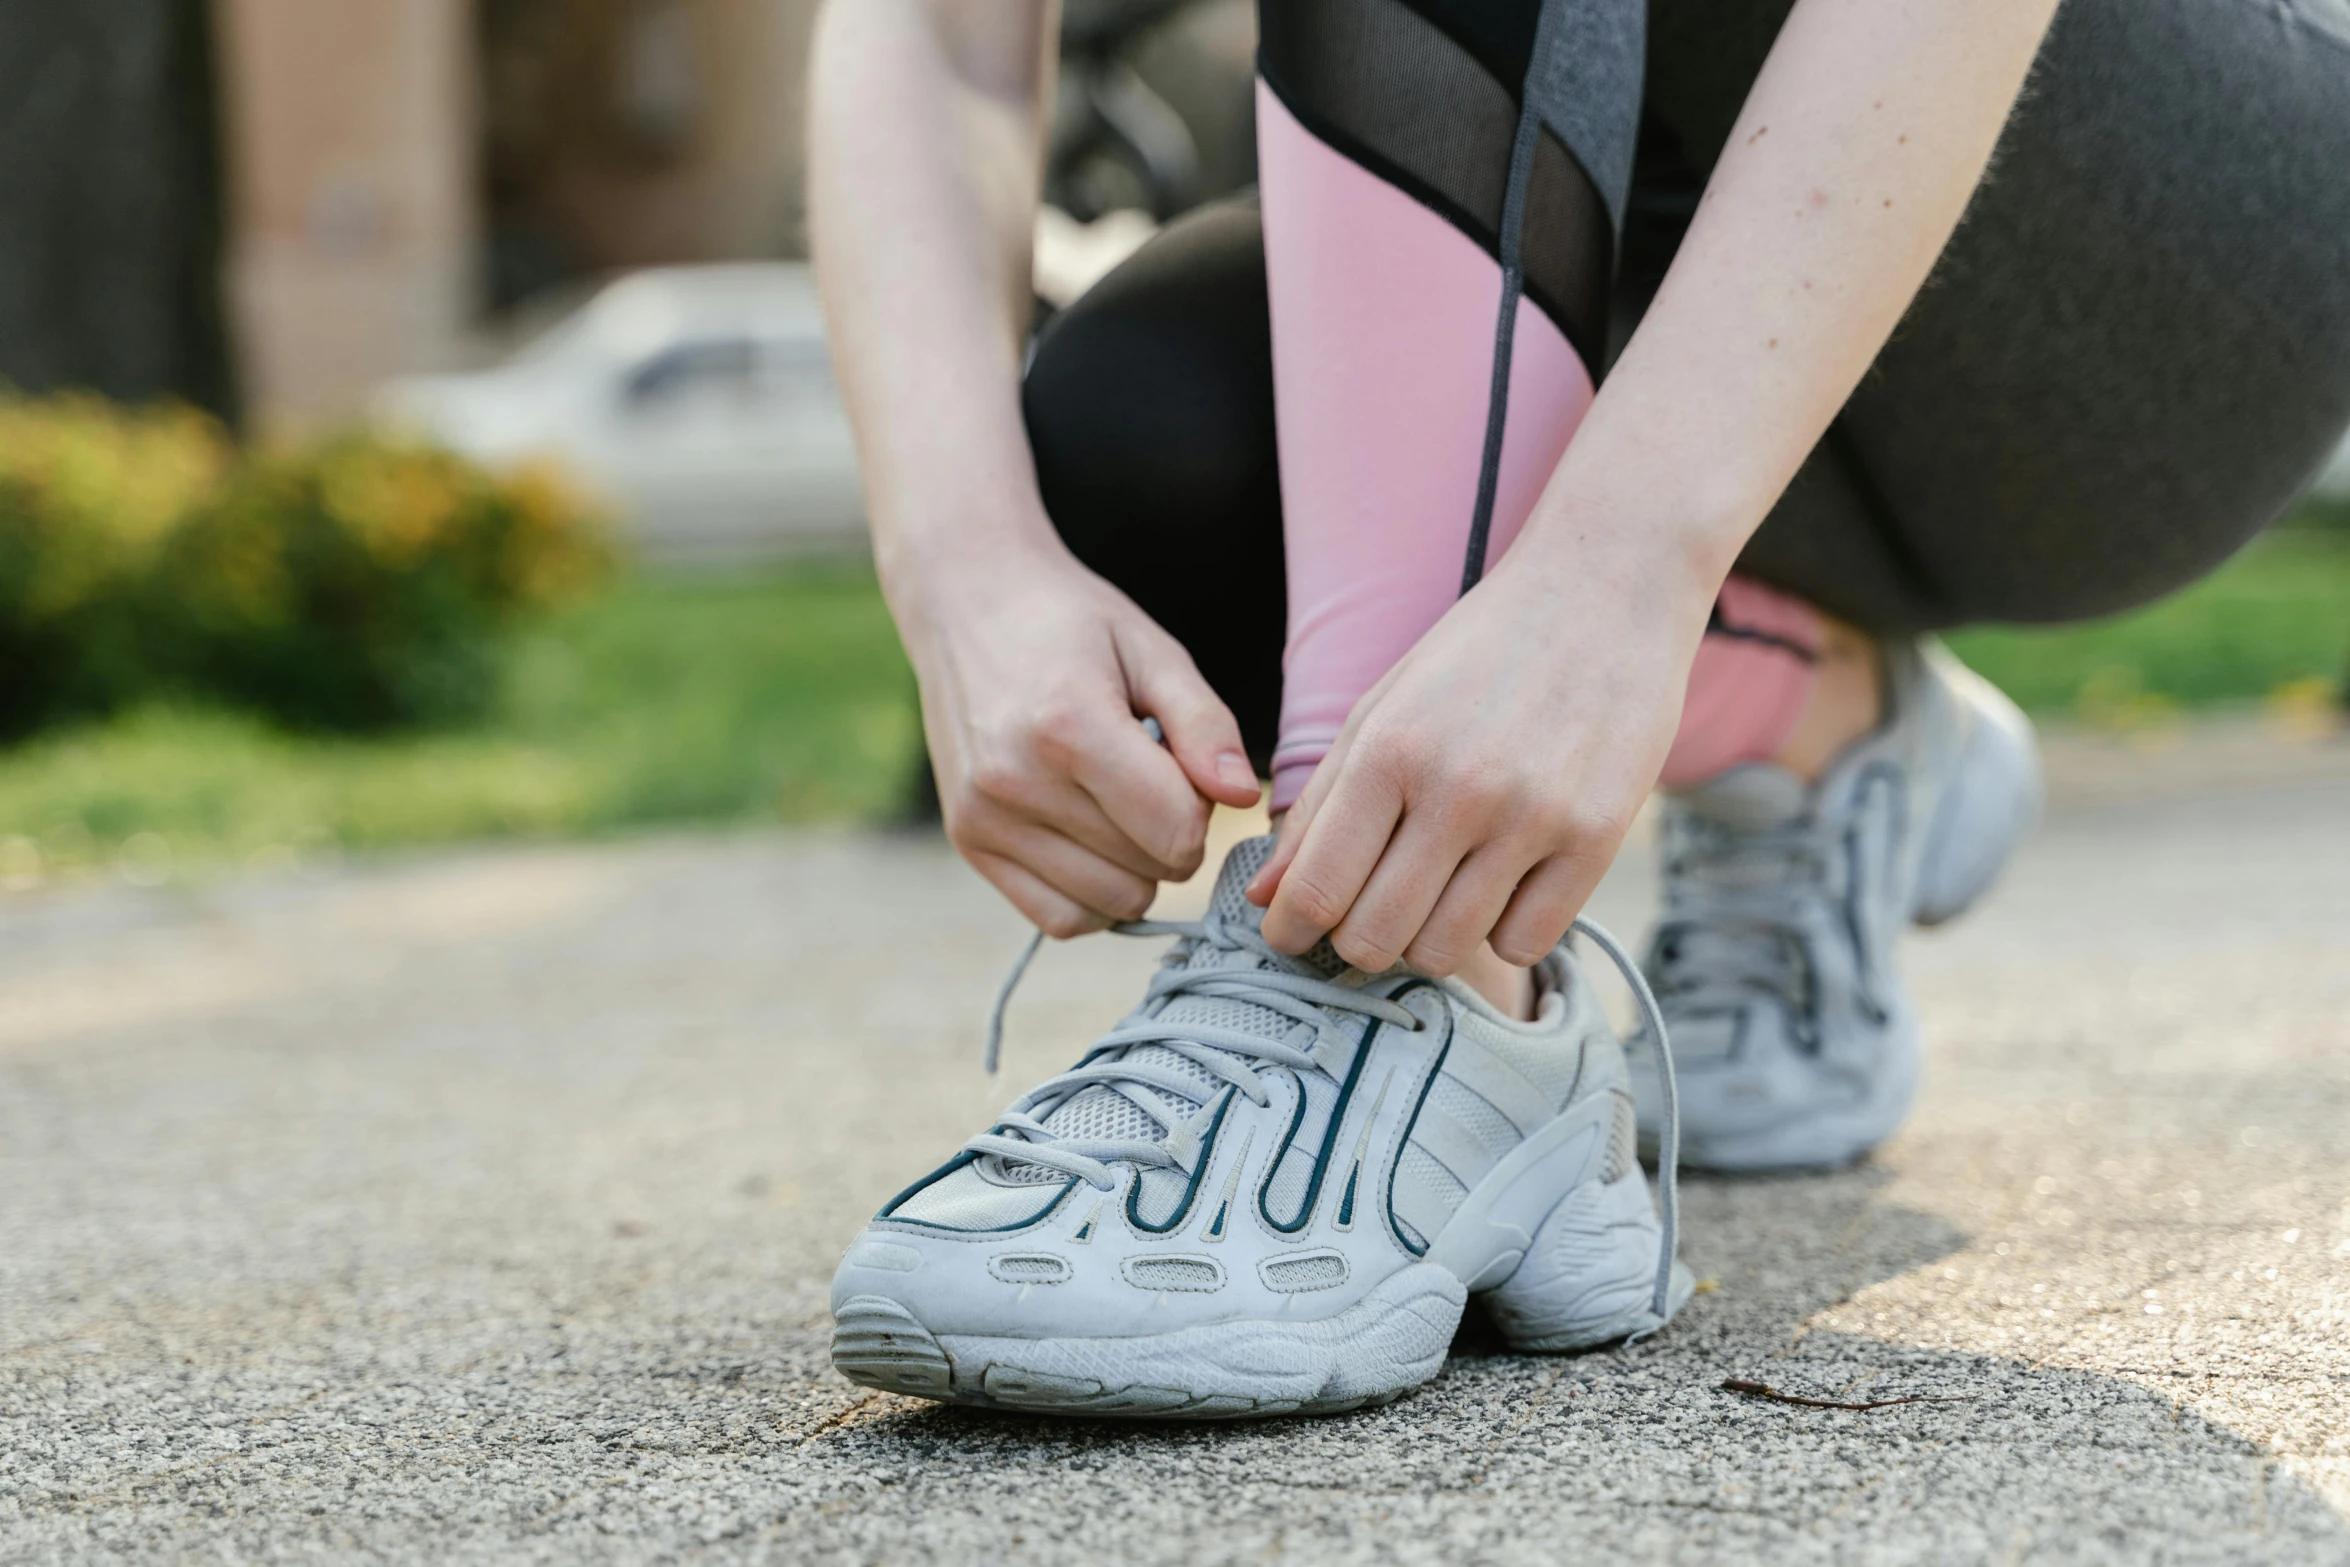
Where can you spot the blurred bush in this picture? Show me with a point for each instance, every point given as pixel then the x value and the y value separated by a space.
pixel 89 497
pixel 358 582
pixel 361 583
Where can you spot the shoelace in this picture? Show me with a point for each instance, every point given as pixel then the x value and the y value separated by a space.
pixel 1730 933
pixel 1231 1055
pixel 1234 1057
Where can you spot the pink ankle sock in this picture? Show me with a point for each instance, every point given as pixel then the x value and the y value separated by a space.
pixel 1747 688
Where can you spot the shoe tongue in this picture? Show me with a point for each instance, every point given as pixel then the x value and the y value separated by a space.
pixel 1748 798
pixel 1230 903
pixel 1230 899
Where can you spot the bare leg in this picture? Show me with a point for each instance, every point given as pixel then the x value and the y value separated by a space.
pixel 1846 700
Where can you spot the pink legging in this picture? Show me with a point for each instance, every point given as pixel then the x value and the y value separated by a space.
pixel 1383 336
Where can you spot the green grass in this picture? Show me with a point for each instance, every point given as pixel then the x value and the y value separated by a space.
pixel 785 698
pixel 2276 616
pixel 666 700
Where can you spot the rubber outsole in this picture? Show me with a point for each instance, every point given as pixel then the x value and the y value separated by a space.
pixel 1581 1274
pixel 1392 1340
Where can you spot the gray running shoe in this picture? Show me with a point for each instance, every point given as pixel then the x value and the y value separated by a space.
pixel 1269 1190
pixel 1793 1036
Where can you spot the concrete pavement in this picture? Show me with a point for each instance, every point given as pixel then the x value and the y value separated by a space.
pixel 482 1207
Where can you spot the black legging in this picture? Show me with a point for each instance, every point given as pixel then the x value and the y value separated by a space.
pixel 2130 358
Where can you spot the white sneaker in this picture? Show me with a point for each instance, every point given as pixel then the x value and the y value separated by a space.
pixel 1793 1036
pixel 1270 1190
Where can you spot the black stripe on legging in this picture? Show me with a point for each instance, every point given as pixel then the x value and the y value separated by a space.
pixel 1716 626
pixel 1570 250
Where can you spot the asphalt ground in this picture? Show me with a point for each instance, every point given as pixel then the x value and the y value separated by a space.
pixel 482 1207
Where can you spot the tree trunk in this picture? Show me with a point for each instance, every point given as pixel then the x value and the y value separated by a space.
pixel 110 201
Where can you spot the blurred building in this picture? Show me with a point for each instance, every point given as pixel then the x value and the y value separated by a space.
pixel 403 174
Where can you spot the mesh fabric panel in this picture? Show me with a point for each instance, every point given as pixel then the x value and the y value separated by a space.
pixel 1230 899
pixel 966 1200
pixel 1413 104
pixel 1305 1273
pixel 1174 1273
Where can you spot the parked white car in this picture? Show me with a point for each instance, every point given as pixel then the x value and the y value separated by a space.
pixel 697 401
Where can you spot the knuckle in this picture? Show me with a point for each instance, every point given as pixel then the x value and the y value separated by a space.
pixel 1310 902
pixel 1188 857
pixel 1438 958
pixel 1188 704
pixel 1180 845
pixel 966 813
pixel 1592 830
pixel 997 779
pixel 1366 953
pixel 1059 725
pixel 1484 795
pixel 1528 933
pixel 1392 755
pixel 1520 950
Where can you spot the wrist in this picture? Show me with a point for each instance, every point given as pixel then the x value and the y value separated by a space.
pixel 964 572
pixel 932 552
pixel 1641 554
pixel 1636 486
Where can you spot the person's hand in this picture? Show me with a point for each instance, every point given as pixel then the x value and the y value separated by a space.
pixel 1034 672
pixel 1481 789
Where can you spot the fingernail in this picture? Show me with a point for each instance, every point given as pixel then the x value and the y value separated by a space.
pixel 1233 769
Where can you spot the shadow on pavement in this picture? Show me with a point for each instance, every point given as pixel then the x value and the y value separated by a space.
pixel 1510 1457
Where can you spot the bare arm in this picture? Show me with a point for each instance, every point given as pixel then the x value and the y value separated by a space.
pixel 1866 133
pixel 928 123
pixel 927 127
pixel 1484 786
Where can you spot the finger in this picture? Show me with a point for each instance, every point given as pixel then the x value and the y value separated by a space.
pixel 1075 872
pixel 1413 871
pixel 1039 788
pixel 1044 908
pixel 1139 787
pixel 1342 844
pixel 1067 809
pixel 1470 907
pixel 1202 735
pixel 1544 905
pixel 1294 823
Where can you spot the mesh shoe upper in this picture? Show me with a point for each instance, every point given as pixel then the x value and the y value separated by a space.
pixel 1153 1081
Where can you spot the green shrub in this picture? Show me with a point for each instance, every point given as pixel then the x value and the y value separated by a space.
pixel 90 495
pixel 357 582
pixel 361 583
